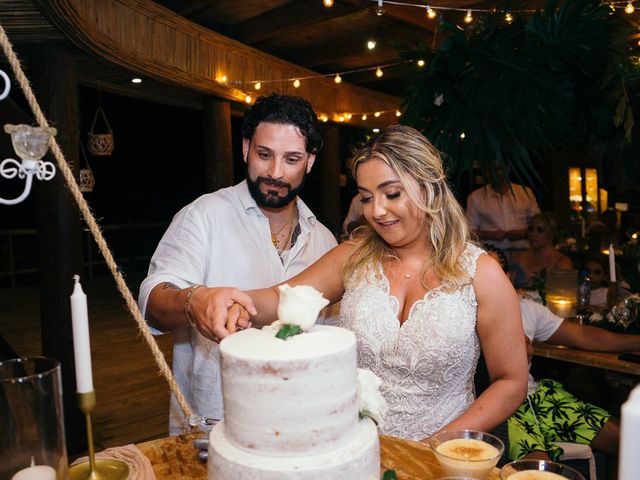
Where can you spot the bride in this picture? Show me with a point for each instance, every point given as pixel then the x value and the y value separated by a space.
pixel 421 299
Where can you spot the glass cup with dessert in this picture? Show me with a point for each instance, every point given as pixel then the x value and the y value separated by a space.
pixel 467 453
pixel 538 470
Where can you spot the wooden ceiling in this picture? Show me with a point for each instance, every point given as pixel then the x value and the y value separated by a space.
pixel 326 40
pixel 303 32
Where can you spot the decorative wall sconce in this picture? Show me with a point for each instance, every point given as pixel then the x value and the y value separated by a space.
pixel 31 144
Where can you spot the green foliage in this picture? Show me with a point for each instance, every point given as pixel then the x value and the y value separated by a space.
pixel 288 330
pixel 556 81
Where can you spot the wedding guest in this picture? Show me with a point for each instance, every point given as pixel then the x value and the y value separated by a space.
pixel 254 234
pixel 498 212
pixel 542 254
pixel 534 426
pixel 421 299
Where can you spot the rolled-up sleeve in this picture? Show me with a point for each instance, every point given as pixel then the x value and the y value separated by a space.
pixel 180 258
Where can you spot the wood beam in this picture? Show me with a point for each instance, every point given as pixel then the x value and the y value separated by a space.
pixel 291 16
pixel 144 37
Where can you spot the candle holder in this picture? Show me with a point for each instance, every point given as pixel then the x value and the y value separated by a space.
pixel 95 469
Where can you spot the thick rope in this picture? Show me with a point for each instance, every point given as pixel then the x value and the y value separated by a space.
pixel 143 328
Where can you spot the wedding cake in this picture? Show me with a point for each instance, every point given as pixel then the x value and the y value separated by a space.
pixel 292 409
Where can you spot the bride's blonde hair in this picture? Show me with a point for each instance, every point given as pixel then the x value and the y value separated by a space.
pixel 411 156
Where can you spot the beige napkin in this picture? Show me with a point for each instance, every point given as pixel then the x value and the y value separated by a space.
pixel 139 466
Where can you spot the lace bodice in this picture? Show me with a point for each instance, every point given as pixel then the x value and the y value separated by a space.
pixel 426 364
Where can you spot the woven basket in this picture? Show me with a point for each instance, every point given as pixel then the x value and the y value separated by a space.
pixel 87 178
pixel 100 144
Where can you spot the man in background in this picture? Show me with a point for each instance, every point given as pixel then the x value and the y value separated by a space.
pixel 499 212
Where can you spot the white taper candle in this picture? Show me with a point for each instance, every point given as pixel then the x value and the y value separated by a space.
pixel 81 343
pixel 612 263
pixel 630 437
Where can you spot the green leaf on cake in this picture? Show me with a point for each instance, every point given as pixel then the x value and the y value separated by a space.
pixel 288 330
pixel 389 475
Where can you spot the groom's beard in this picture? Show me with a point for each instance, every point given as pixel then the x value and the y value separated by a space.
pixel 271 199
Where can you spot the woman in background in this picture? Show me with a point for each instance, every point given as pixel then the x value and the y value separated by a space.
pixel 543 234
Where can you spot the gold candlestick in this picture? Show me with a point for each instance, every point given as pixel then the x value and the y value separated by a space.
pixel 102 468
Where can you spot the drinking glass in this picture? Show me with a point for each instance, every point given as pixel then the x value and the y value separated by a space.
pixel 32 443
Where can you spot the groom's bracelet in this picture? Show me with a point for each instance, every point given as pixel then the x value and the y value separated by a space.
pixel 190 293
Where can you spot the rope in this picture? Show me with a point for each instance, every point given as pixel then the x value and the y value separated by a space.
pixel 143 328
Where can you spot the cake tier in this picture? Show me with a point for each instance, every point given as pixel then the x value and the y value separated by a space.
pixel 358 459
pixel 290 397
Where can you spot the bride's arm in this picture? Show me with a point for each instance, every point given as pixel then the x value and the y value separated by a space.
pixel 499 328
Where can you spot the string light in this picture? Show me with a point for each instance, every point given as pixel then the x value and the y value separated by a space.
pixel 508 18
pixel 380 8
pixel 371 44
pixel 341 118
pixel 348 116
pixel 221 79
pixel 629 8
pixel 257 85
pixel 421 63
pixel 462 136
pixel 327 3
pixel 379 72
pixel 364 116
pixel 398 113
pixel 337 78
pixel 377 114
pixel 136 80
pixel 296 83
pixel 248 99
pixel 468 18
pixel 324 118
pixel 376 130
pixel 431 13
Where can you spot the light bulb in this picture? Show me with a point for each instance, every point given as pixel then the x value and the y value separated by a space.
pixel 248 99
pixel 337 78
pixel 629 8
pixel 221 79
pixel 257 85
pixel 468 18
pixel 508 18
pixel 348 116
pixel 136 80
pixel 377 114
pixel 341 118
pixel 364 117
pixel 376 130
pixel 296 83
pixel 398 113
pixel 431 13
pixel 380 8
pixel 327 3
pixel 462 136
pixel 379 72
pixel 324 118
pixel 421 63
pixel 371 44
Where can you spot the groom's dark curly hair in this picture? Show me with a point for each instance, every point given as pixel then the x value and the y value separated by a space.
pixel 285 110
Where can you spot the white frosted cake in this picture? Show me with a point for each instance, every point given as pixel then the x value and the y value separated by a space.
pixel 291 409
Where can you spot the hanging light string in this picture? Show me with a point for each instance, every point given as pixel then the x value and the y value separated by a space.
pixel 319 75
pixel 626 5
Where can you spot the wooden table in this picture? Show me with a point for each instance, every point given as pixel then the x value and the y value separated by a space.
pixel 176 457
pixel 608 361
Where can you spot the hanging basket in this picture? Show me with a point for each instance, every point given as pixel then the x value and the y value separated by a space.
pixel 87 178
pixel 100 144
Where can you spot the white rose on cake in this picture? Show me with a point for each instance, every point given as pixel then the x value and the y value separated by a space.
pixel 300 306
pixel 371 403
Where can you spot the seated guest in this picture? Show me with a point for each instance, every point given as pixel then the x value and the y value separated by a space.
pixel 421 299
pixel 543 234
pixel 599 281
pixel 535 426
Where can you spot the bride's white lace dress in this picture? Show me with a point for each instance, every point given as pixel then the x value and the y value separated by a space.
pixel 426 364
